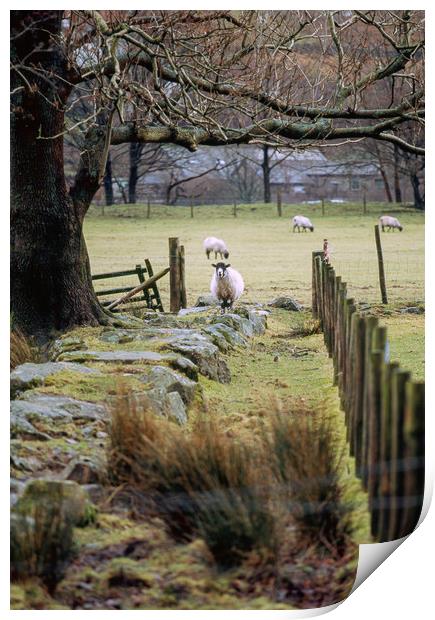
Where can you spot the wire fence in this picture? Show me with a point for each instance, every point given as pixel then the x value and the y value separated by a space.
pixel 404 273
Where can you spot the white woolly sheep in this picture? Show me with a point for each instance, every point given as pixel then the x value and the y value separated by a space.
pixel 213 244
pixel 387 221
pixel 300 221
pixel 226 285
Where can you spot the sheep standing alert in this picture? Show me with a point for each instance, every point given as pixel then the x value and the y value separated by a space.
pixel 300 221
pixel 387 221
pixel 213 244
pixel 226 285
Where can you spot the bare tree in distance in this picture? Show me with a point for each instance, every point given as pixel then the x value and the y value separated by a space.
pixel 189 78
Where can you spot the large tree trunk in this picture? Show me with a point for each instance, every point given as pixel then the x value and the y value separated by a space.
pixel 383 174
pixel 266 175
pixel 418 198
pixel 135 154
pixel 397 189
pixel 108 182
pixel 50 277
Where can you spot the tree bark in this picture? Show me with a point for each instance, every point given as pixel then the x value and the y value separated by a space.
pixel 108 182
pixel 418 198
pixel 51 286
pixel 397 189
pixel 135 152
pixel 266 174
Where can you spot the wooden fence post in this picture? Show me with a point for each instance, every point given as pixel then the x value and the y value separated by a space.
pixel 357 385
pixel 323 206
pixel 319 285
pixel 279 203
pixel 384 493
pixel 364 204
pixel 350 309
pixel 183 293
pixel 340 342
pixel 379 339
pixel 373 435
pixel 235 209
pixel 381 265
pixel 413 456
pixel 191 209
pixel 148 209
pixel 337 326
pixel 398 385
pixel 174 274
pixel 371 324
pixel 315 302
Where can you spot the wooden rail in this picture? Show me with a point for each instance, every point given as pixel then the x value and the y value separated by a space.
pixel 141 287
pixel 383 406
pixel 150 293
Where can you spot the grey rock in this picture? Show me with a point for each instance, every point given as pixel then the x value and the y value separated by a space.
pixel 233 338
pixel 68 343
pixel 85 470
pixel 177 362
pixel 21 427
pixel 192 344
pixel 26 463
pixel 206 300
pixel 241 311
pixel 171 381
pixel 50 406
pixel 412 310
pixel 117 337
pixel 127 320
pixel 34 407
pixel 205 356
pixel 175 408
pixel 29 375
pixel 161 320
pixel 237 322
pixel 287 303
pixel 64 496
pixel 217 337
pixel 259 321
pixel 166 405
pixel 16 488
pixel 187 311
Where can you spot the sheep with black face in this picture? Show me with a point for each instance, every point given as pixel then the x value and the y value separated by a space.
pixel 226 285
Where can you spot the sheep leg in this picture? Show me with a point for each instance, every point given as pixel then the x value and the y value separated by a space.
pixel 294 228
pixel 208 254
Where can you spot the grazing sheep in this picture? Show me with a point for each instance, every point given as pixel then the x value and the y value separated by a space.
pixel 387 221
pixel 226 285
pixel 300 221
pixel 213 244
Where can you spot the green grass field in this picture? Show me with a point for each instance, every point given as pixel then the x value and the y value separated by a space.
pixel 273 260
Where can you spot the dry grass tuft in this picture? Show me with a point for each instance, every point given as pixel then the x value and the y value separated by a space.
pixel 202 483
pixel 22 349
pixel 239 495
pixel 308 328
pixel 302 444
